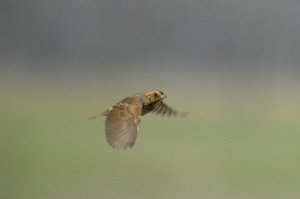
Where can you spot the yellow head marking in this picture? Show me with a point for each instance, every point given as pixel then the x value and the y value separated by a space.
pixel 155 95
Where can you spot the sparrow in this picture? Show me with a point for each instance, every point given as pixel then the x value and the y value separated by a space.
pixel 123 118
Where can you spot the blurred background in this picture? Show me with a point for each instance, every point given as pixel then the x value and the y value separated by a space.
pixel 233 65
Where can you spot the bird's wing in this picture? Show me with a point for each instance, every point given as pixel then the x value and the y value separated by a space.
pixel 164 109
pixel 122 124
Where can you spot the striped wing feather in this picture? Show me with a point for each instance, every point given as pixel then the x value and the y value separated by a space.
pixel 163 109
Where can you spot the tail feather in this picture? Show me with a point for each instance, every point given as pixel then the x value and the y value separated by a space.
pixel 97 115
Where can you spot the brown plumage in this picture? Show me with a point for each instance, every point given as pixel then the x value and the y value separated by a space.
pixel 121 124
pixel 122 119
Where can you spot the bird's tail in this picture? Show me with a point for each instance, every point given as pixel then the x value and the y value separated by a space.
pixel 96 115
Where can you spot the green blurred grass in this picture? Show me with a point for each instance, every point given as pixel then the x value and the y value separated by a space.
pixel 50 150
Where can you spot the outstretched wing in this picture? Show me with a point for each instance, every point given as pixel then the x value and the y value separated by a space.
pixel 164 109
pixel 122 124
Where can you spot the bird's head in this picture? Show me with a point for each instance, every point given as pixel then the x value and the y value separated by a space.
pixel 154 96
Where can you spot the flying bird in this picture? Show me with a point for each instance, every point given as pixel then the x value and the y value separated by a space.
pixel 123 119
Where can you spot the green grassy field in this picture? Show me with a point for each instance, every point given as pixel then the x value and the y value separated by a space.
pixel 49 150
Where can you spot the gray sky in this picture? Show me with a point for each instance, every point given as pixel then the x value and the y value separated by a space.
pixel 106 34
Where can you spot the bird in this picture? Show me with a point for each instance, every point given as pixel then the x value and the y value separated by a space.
pixel 123 118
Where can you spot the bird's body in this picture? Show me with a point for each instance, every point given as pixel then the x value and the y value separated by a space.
pixel 122 119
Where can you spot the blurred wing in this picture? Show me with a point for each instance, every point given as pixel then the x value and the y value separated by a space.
pixel 122 125
pixel 163 109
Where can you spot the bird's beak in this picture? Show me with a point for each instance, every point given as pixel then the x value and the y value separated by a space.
pixel 163 96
